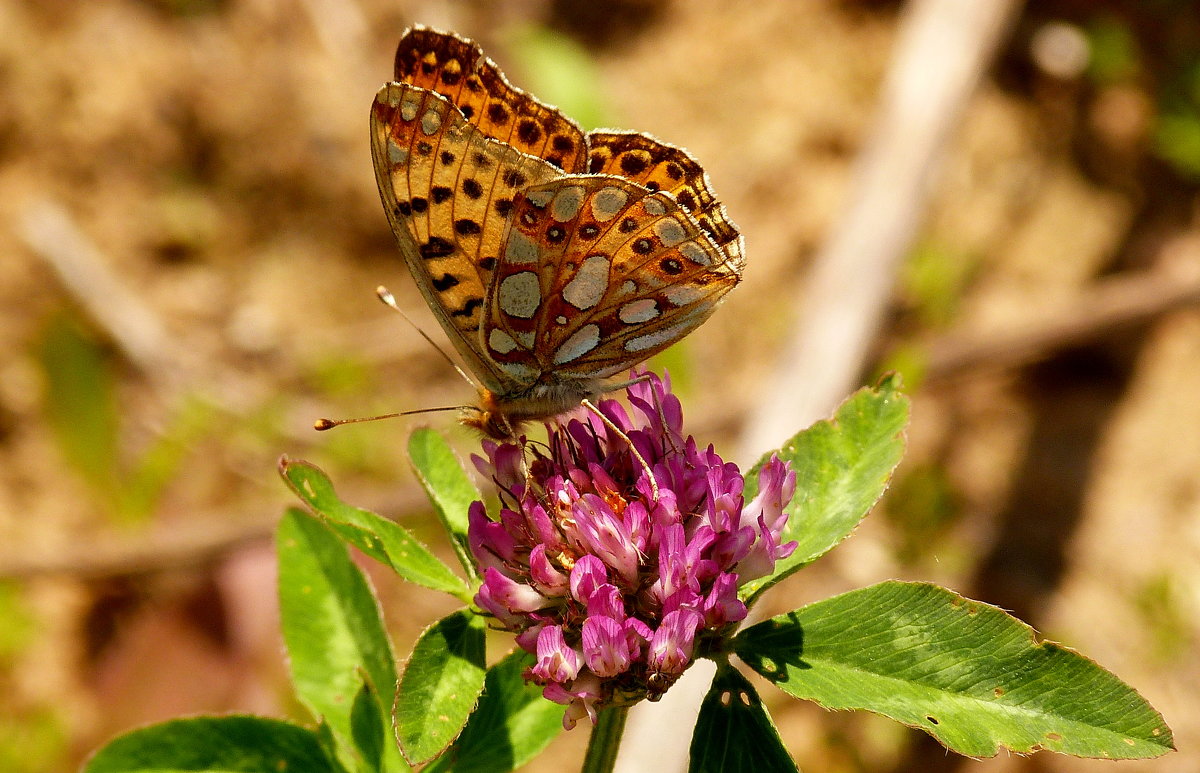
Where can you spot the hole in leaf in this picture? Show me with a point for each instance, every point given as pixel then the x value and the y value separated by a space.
pixel 931 719
pixel 726 699
pixel 998 691
pixel 769 667
pixel 744 698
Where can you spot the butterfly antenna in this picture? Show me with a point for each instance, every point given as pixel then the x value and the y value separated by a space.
pixel 323 424
pixel 389 300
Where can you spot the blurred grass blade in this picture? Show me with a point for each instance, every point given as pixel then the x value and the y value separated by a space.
pixel 81 404
pixel 160 463
pixel 561 73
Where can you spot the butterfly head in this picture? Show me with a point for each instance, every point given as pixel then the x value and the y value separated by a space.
pixel 489 418
pixel 501 416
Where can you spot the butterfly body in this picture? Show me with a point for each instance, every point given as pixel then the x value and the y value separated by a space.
pixel 501 416
pixel 553 259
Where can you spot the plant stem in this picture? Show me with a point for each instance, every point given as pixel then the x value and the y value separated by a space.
pixel 605 740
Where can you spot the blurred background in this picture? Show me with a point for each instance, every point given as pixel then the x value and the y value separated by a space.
pixel 191 237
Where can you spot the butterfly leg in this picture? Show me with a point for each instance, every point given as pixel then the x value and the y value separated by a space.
pixel 636 454
pixel 670 436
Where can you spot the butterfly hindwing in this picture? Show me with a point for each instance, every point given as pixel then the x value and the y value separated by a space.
pixel 599 274
pixel 658 166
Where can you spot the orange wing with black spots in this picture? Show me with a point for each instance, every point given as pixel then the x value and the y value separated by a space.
pixel 457 69
pixel 448 191
pixel 662 167
pixel 552 259
pixel 599 274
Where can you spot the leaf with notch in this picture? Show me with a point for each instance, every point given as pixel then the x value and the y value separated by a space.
pixel 969 674
pixel 734 733
pixel 512 725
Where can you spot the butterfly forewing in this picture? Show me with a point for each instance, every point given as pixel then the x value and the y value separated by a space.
pixel 447 190
pixel 604 274
pixel 458 69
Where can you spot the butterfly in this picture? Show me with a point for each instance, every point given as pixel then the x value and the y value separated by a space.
pixel 553 259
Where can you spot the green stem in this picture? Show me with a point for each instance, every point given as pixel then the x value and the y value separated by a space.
pixel 605 740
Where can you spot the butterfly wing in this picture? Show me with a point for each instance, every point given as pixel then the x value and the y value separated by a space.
pixel 448 191
pixel 541 278
pixel 457 68
pixel 598 274
pixel 658 166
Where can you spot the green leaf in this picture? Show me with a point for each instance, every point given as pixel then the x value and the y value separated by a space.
pixel 440 685
pixel 734 732
pixel 330 745
pixel 383 540
pixel 232 744
pixel 331 625
pixel 367 724
pixel 842 468
pixel 512 725
pixel 448 487
pixel 967 673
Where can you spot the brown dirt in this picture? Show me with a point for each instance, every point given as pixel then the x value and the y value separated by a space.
pixel 216 155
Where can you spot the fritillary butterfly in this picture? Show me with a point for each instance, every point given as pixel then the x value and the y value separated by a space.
pixel 554 259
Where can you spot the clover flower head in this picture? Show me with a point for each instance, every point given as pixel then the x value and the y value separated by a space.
pixel 614 583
